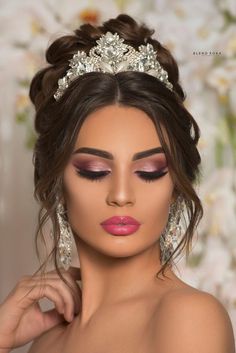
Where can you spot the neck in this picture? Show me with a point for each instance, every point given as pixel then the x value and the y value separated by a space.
pixel 106 280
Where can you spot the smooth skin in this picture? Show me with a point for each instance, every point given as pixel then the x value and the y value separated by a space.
pixel 21 317
pixel 124 307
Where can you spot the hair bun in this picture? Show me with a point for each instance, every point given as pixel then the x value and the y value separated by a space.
pixel 128 29
pixel 84 38
pixel 62 49
pixel 88 34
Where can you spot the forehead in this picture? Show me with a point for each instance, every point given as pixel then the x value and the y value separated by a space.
pixel 118 127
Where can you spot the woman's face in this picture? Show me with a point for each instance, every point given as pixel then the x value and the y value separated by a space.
pixel 121 189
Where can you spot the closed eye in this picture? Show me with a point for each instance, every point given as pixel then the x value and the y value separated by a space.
pixel 94 176
pixel 99 175
pixel 152 176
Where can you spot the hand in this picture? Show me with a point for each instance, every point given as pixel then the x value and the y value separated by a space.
pixel 21 318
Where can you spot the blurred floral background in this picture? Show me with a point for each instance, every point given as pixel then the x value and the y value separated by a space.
pixel 202 37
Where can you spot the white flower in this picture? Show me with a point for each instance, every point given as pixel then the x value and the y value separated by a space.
pixel 228 291
pixel 223 77
pixel 219 203
pixel 211 273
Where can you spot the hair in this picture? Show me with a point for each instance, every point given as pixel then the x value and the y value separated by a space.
pixel 57 123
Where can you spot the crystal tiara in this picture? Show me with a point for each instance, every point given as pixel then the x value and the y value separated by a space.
pixel 112 55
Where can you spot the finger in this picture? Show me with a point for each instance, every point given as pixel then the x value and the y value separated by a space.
pixel 72 275
pixel 56 281
pixel 71 302
pixel 74 290
pixel 51 318
pixel 52 294
pixel 54 275
pixel 30 294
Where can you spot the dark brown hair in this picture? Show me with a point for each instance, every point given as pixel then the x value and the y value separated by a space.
pixel 57 123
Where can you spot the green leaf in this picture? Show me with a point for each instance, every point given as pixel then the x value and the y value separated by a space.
pixel 228 16
pixel 24 82
pixel 21 117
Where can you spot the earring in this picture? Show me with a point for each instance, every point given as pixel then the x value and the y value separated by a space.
pixel 65 240
pixel 170 237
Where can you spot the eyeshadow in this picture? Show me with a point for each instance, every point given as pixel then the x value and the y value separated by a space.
pixel 85 164
pixel 153 166
pixel 152 163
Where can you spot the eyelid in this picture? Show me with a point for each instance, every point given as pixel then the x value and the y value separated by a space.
pixel 99 176
pixel 156 170
pixel 160 159
pixel 107 172
pixel 91 166
pixel 148 165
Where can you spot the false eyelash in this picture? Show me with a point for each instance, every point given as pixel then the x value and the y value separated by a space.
pixel 93 176
pixel 151 176
pixel 98 176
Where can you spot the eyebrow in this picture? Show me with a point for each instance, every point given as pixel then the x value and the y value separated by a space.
pixel 108 155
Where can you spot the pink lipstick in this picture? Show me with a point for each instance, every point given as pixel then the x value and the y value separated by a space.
pixel 120 225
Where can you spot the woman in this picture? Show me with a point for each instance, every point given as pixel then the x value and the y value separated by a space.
pixel 115 166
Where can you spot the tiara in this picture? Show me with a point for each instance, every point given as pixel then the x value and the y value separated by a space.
pixel 112 55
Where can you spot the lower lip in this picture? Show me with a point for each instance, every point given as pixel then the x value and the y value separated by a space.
pixel 115 229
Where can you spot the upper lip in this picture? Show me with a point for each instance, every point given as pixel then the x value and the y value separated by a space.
pixel 121 219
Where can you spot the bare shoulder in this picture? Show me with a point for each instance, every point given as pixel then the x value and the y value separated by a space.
pixel 195 320
pixel 46 341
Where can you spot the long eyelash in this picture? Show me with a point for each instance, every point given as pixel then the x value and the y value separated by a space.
pixel 93 176
pixel 98 176
pixel 151 176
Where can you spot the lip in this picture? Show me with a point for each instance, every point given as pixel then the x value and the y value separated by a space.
pixel 121 219
pixel 120 230
pixel 113 225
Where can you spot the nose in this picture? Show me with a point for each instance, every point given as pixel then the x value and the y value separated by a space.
pixel 121 191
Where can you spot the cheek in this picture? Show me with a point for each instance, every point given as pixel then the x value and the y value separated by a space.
pixel 81 199
pixel 156 204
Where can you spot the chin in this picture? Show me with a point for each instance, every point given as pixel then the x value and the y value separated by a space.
pixel 121 248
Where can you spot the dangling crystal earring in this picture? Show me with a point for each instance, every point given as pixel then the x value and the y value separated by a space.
pixel 65 240
pixel 170 237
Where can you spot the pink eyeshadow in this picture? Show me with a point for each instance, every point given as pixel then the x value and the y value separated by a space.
pixel 89 165
pixel 149 165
